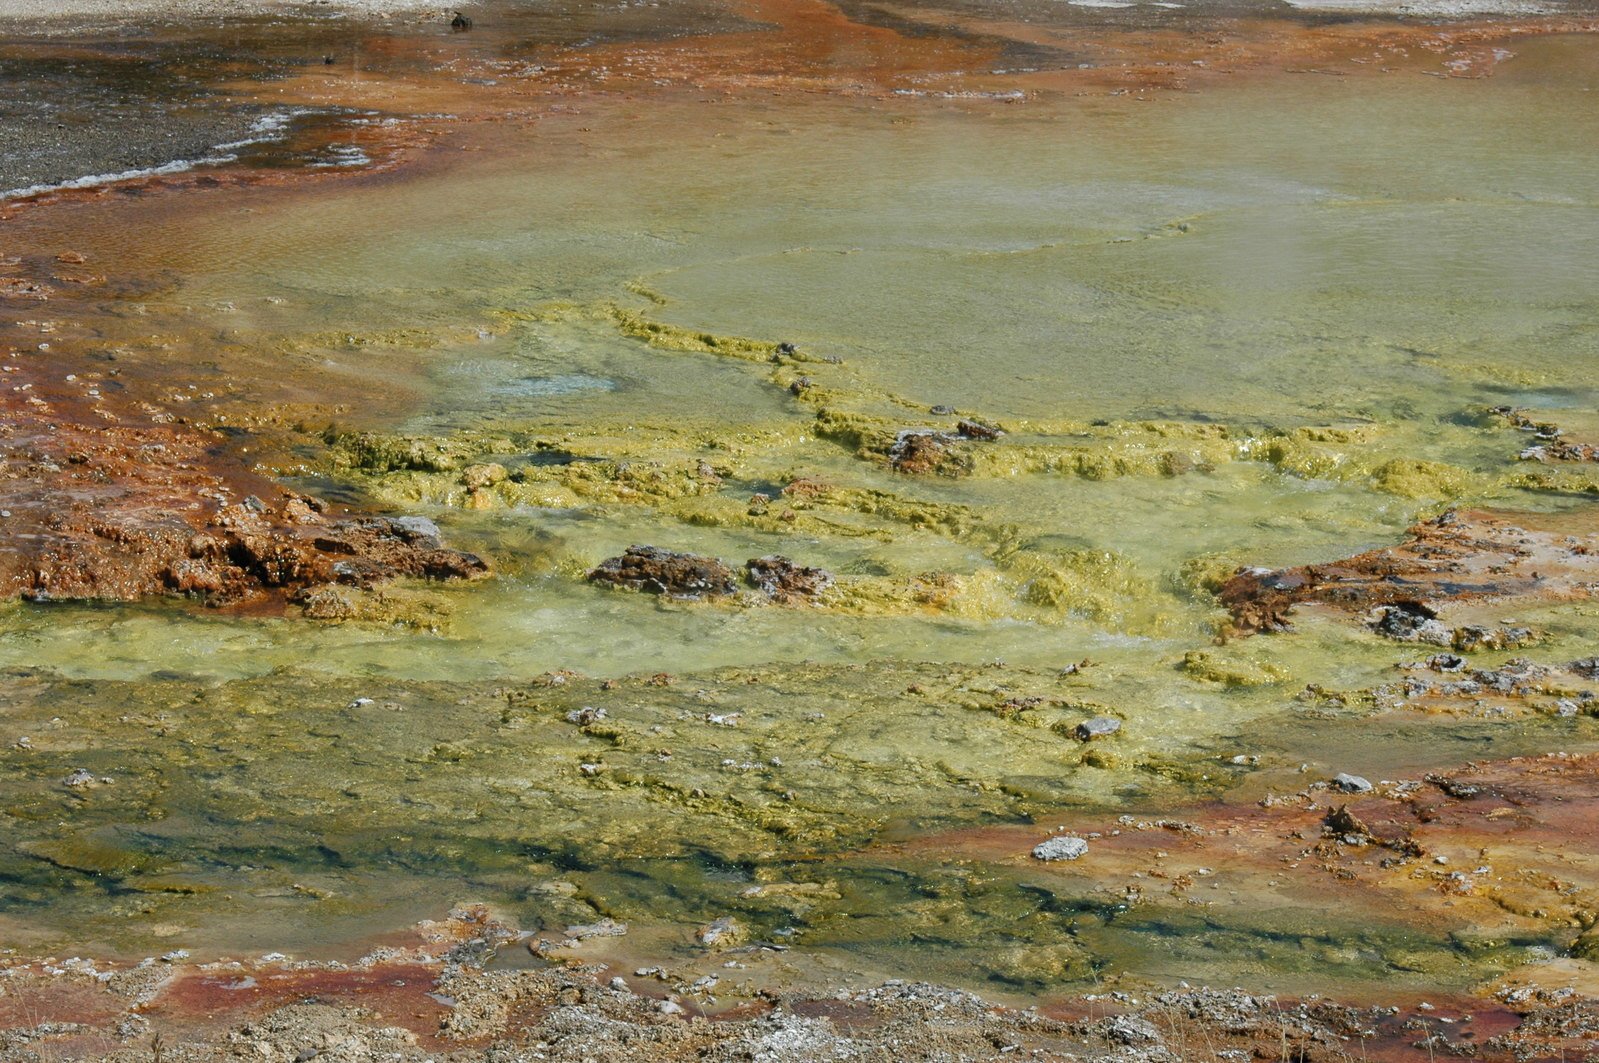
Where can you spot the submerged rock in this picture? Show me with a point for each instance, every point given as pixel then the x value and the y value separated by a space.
pixel 658 571
pixel 1098 727
pixel 604 928
pixel 723 933
pixel 783 581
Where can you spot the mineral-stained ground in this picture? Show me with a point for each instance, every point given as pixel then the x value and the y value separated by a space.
pixel 783 530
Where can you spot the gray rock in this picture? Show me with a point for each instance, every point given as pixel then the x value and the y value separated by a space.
pixel 1412 622
pixel 1131 1030
pixel 1098 727
pixel 605 928
pixel 1062 848
pixel 415 527
pixel 1351 784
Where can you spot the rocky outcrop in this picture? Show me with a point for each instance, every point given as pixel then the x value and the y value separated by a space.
pixel 97 508
pixel 783 581
pixel 657 571
pixel 1458 556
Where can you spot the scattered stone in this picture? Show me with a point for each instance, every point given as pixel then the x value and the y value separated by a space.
pixel 1131 1031
pixel 657 571
pixel 1352 784
pixel 1098 727
pixel 460 23
pixel 941 410
pixel 1460 791
pixel 1061 848
pixel 783 581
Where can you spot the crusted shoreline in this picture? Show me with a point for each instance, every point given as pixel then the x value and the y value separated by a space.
pixel 440 996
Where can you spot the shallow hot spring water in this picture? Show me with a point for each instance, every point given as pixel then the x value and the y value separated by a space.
pixel 1267 320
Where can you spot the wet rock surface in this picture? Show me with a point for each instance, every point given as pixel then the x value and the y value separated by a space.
pixel 1552 444
pixel 919 451
pixel 1098 727
pixel 657 571
pixel 784 581
pixel 1458 556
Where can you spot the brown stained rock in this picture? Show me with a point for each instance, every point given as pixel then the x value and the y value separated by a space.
pixel 1458 556
pixel 98 506
pixel 921 451
pixel 928 450
pixel 783 581
pixel 978 430
pixel 1344 823
pixel 657 571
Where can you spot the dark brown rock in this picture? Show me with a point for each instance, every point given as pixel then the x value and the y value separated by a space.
pixel 979 431
pixel 784 581
pixel 657 571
